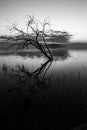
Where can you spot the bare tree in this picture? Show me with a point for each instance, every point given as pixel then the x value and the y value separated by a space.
pixel 32 36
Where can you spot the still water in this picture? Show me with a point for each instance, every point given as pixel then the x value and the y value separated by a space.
pixel 40 94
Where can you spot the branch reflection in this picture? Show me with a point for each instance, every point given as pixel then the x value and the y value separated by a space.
pixel 25 78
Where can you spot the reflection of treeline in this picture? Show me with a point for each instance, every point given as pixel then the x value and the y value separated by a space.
pixel 61 53
pixel 57 54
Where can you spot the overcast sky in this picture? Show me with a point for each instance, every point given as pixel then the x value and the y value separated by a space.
pixel 67 15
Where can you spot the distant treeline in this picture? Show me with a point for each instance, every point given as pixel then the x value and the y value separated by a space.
pixel 54 36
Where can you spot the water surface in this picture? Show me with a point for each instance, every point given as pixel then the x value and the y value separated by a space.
pixel 42 94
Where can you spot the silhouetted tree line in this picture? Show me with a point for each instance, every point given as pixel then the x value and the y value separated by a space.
pixel 59 36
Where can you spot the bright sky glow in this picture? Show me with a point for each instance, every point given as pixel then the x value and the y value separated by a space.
pixel 64 15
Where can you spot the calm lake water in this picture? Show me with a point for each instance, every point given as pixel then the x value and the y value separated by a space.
pixel 40 94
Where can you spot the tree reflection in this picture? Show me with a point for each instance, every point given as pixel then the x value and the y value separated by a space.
pixel 32 80
pixel 58 54
pixel 26 110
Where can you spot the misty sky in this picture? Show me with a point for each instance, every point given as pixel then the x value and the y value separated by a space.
pixel 64 15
